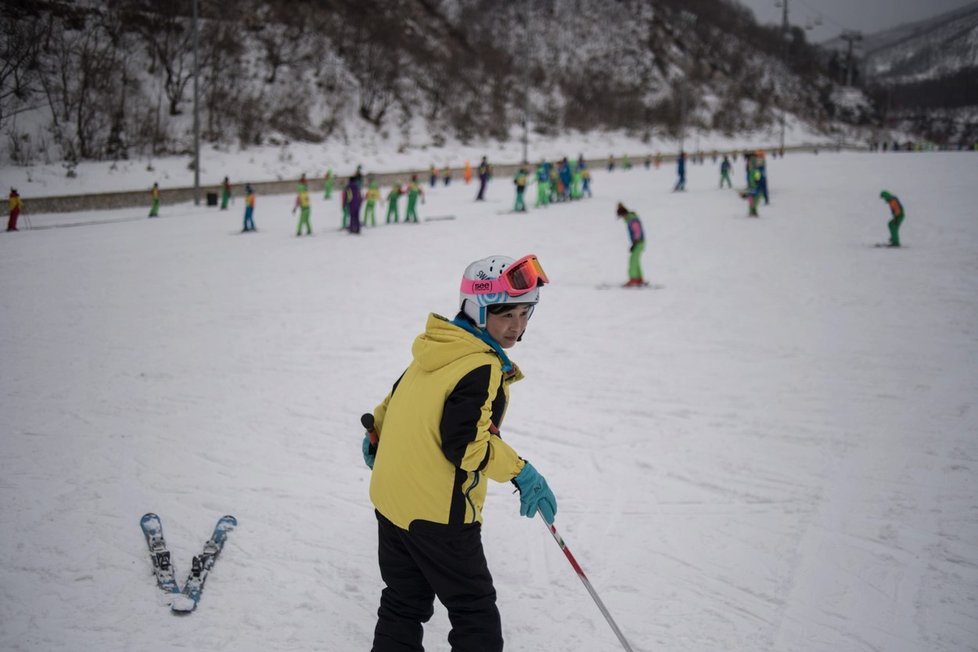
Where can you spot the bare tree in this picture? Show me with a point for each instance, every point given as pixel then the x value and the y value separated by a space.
pixel 167 34
pixel 20 41
pixel 221 75
pixel 80 75
pixel 289 34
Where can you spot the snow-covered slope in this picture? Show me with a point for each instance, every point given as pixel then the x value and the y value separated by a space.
pixel 925 50
pixel 776 451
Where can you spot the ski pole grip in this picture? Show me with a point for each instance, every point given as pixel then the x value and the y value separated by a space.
pixel 367 421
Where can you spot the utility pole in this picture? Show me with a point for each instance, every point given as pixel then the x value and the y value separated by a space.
pixel 682 112
pixel 524 61
pixel 784 58
pixel 688 20
pixel 196 114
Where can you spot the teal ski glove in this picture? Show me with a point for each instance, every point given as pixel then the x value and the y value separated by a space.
pixel 368 455
pixel 535 494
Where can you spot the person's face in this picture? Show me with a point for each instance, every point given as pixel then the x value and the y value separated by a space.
pixel 506 327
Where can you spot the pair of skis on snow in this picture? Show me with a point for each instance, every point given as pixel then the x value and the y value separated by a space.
pixel 183 601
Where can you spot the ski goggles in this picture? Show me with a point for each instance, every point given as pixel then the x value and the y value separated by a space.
pixel 524 275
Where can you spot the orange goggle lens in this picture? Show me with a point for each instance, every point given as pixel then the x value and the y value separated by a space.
pixel 524 275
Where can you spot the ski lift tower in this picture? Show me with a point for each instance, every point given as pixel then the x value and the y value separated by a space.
pixel 196 110
pixel 851 37
pixel 525 118
pixel 688 20
pixel 784 57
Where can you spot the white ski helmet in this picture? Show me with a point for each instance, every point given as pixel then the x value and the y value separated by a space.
pixel 487 269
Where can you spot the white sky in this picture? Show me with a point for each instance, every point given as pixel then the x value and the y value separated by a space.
pixel 868 16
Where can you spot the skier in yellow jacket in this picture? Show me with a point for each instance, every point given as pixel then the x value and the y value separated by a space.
pixel 302 205
pixel 438 444
pixel 16 204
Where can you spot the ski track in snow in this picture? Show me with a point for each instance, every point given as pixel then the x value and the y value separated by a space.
pixel 776 451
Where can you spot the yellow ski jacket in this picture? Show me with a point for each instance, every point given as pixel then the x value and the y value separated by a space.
pixel 436 451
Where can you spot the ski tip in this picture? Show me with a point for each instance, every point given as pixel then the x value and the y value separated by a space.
pixel 182 604
pixel 227 518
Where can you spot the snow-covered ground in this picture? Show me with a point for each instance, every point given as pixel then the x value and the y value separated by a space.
pixel 776 451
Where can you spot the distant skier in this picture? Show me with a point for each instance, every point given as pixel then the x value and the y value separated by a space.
pixel 554 182
pixel 485 172
pixel 725 172
pixel 753 193
pixel 467 172
pixel 302 205
pixel 576 179
pixel 371 197
pixel 637 237
pixel 154 196
pixel 543 185
pixel 680 172
pixel 760 164
pixel 585 181
pixel 520 182
pixel 896 208
pixel 328 182
pixel 16 204
pixel 353 198
pixel 414 191
pixel 225 193
pixel 564 171
pixel 392 197
pixel 249 214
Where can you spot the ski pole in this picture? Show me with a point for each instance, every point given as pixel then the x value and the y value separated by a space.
pixel 587 584
pixel 367 421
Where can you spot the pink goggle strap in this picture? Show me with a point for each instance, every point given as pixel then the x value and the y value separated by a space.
pixel 487 286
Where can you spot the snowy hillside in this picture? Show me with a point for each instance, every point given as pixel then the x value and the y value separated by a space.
pixel 926 50
pixel 776 451
pixel 114 81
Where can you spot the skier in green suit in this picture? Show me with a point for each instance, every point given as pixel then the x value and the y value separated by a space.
pixel 414 191
pixel 896 208
pixel 328 181
pixel 392 197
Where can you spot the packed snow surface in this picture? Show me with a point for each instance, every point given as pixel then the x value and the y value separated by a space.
pixel 777 450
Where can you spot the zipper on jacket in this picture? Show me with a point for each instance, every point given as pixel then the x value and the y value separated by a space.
pixel 475 483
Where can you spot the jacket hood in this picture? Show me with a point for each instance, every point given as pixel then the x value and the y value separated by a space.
pixel 443 343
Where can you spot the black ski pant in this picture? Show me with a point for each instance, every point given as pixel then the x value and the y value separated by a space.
pixel 432 560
